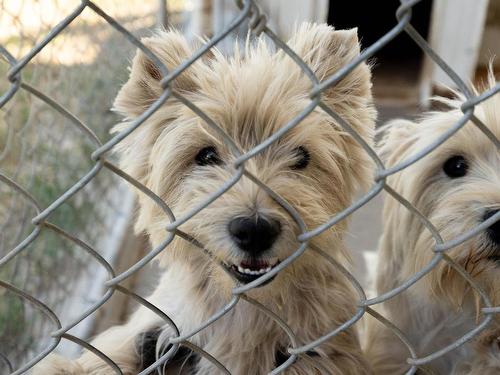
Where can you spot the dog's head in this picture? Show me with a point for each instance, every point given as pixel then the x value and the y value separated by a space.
pixel 316 166
pixel 457 187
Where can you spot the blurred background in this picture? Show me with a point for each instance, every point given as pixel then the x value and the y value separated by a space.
pixel 82 70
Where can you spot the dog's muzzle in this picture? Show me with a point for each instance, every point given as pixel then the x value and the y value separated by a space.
pixel 254 236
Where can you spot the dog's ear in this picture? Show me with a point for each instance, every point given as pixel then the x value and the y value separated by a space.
pixel 142 89
pixel 143 86
pixel 395 140
pixel 326 50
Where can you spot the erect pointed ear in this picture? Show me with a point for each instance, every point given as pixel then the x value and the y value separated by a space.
pixel 143 86
pixel 326 50
pixel 395 139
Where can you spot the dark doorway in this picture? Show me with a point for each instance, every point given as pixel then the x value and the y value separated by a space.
pixel 397 66
pixel 375 18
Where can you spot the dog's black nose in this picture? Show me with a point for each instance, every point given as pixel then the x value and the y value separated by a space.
pixel 254 234
pixel 494 229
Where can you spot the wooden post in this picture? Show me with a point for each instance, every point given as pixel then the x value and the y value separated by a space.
pixel 162 14
pixel 455 34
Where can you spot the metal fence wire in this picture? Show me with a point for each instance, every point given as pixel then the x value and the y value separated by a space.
pixel 249 13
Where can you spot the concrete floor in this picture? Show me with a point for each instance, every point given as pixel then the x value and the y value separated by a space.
pixel 366 223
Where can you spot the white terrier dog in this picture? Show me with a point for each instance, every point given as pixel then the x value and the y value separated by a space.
pixel 456 187
pixel 316 167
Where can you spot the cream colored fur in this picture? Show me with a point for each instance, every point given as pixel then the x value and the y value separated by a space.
pixel 441 307
pixel 250 95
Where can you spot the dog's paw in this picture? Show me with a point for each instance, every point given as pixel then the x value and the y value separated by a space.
pixel 57 365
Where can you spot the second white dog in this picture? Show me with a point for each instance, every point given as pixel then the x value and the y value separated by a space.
pixel 456 187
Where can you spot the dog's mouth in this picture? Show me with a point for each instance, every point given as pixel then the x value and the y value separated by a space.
pixel 249 270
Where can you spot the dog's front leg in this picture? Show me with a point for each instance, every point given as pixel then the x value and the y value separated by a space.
pixel 119 343
pixel 114 343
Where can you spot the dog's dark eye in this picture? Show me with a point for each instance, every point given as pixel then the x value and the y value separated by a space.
pixel 303 158
pixel 208 156
pixel 455 167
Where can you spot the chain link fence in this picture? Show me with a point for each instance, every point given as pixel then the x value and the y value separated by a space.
pixel 33 240
pixel 37 143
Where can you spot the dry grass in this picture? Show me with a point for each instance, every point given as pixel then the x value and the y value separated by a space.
pixel 82 70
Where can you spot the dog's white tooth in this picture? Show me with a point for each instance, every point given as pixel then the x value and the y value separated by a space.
pixel 268 269
pixel 241 269
pixel 248 271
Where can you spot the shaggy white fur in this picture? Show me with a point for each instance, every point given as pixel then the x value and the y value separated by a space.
pixel 442 306
pixel 250 95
